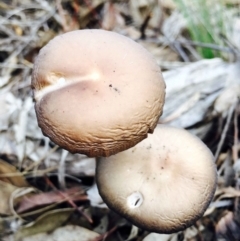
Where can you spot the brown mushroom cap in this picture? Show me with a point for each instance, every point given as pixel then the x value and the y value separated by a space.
pixel 163 184
pixel 96 92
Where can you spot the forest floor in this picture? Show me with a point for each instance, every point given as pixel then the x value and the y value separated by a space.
pixel 49 194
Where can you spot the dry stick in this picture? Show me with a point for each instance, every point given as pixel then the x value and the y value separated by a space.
pixel 144 25
pixel 182 53
pixel 66 175
pixel 34 164
pixel 105 235
pixel 93 11
pixel 229 43
pixel 34 174
pixel 68 200
pixel 205 45
pixel 76 10
pixel 62 15
pixel 41 210
pixel 175 46
pixel 195 43
pixel 224 133
pixel 193 51
pixel 235 145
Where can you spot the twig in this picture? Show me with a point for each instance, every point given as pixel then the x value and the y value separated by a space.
pixel 191 49
pixel 35 164
pixel 62 15
pixel 34 173
pixel 235 145
pixel 181 52
pixel 224 133
pixel 206 45
pixel 191 43
pixel 175 46
pixel 105 235
pixel 144 26
pixel 68 200
pixel 93 11
pixel 229 43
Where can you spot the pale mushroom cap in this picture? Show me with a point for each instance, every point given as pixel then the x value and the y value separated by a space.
pixel 163 184
pixel 96 92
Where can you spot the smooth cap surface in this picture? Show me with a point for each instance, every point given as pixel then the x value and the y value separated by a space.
pixel 163 184
pixel 96 92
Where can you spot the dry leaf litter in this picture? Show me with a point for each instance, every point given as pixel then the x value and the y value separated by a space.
pixel 49 194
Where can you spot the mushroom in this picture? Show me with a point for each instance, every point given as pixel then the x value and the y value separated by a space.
pixel 163 184
pixel 96 92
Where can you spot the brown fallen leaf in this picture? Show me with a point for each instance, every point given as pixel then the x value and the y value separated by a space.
pixel 9 174
pixel 41 199
pixel 45 223
pixel 6 190
pixel 66 233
